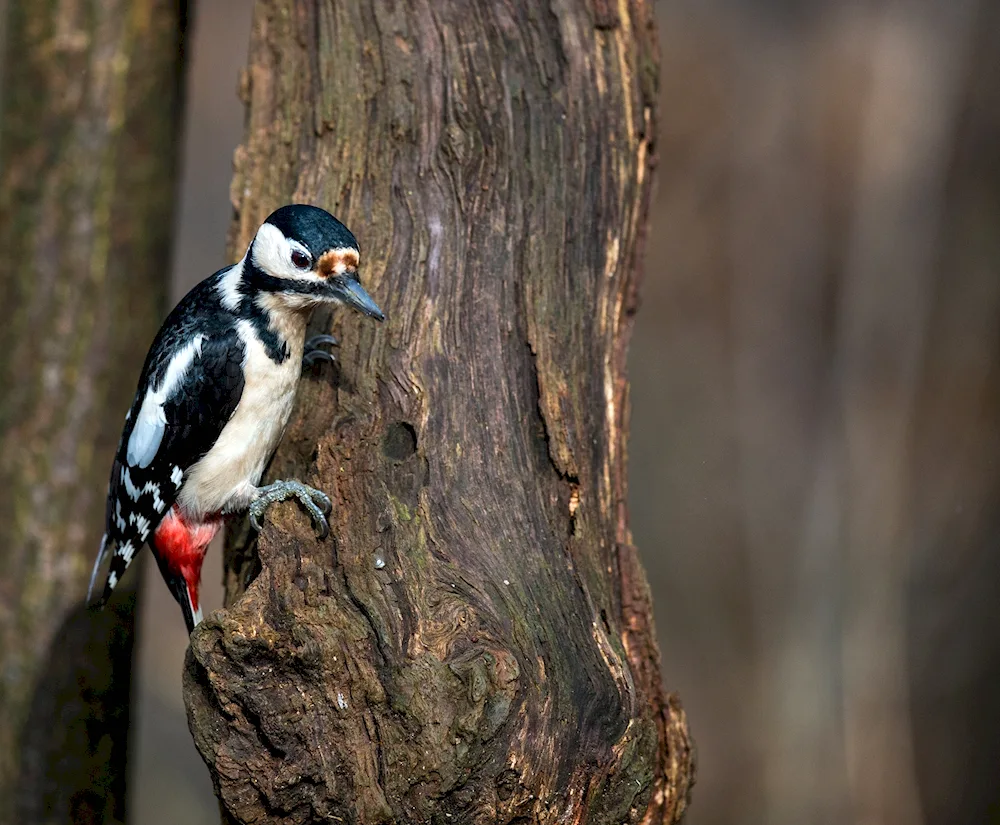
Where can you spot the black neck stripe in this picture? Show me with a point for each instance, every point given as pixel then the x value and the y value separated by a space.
pixel 253 283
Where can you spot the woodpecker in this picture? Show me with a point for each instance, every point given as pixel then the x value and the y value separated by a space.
pixel 214 397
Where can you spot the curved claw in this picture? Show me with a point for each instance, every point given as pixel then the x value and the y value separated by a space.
pixel 314 355
pixel 312 352
pixel 322 501
pixel 319 340
pixel 307 496
pixel 319 521
pixel 257 526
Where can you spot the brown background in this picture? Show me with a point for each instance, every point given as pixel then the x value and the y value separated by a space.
pixel 814 454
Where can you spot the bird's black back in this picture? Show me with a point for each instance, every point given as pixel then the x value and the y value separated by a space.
pixel 196 412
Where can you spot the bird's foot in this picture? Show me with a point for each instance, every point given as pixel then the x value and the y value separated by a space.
pixel 312 352
pixel 316 503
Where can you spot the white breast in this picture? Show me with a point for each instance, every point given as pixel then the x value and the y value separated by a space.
pixel 225 479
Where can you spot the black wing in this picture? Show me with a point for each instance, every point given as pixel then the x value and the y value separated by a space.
pixel 160 443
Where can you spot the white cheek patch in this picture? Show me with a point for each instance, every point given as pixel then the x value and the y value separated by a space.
pixel 272 252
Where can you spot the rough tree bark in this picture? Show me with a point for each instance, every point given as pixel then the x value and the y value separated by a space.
pixel 474 642
pixel 91 94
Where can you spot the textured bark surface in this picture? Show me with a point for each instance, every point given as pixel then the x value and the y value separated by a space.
pixel 474 642
pixel 91 92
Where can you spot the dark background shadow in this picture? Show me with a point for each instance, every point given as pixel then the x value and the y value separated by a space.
pixel 77 725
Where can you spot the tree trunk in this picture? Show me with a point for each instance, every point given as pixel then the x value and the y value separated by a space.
pixel 91 94
pixel 474 642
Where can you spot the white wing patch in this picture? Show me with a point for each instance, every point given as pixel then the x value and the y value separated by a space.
pixel 130 488
pixel 126 551
pixel 140 522
pixel 151 421
pixel 154 488
pixel 148 432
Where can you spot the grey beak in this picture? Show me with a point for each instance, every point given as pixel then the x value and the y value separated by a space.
pixel 353 295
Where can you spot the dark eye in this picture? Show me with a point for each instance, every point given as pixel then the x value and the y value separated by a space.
pixel 300 259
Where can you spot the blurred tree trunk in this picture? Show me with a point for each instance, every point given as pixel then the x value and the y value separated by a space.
pixel 474 642
pixel 91 103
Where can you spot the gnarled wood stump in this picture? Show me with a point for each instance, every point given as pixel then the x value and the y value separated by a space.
pixel 474 642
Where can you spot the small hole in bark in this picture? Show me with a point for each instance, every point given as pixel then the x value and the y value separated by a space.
pixel 400 441
pixel 574 505
pixel 604 621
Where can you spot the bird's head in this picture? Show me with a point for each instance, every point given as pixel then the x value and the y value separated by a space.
pixel 304 256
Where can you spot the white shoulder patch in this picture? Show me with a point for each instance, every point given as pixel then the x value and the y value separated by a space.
pixel 147 433
pixel 151 422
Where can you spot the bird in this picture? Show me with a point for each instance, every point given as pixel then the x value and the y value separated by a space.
pixel 214 397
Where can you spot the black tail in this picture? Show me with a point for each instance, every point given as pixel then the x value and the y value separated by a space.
pixel 179 588
pixel 98 562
